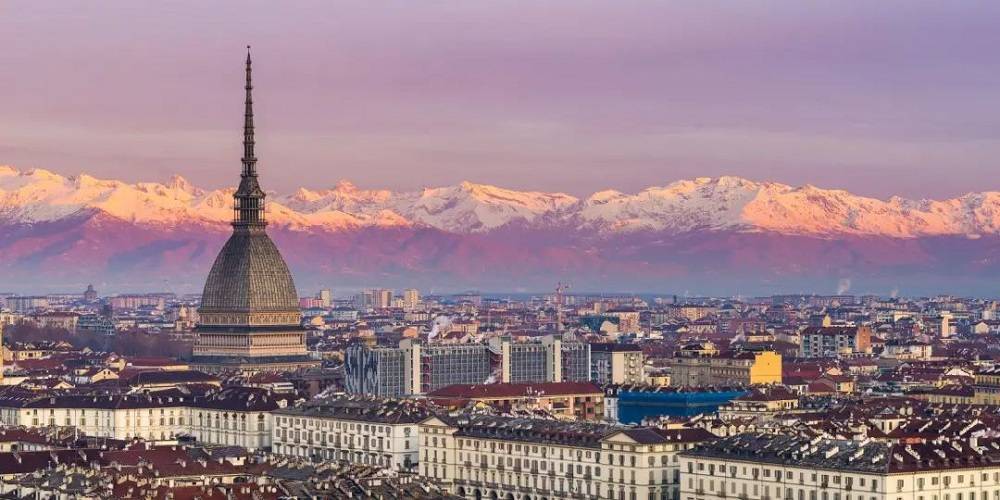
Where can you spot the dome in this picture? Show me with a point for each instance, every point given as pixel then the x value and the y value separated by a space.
pixel 249 275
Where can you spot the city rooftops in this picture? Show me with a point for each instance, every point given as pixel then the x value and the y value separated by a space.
pixel 849 455
pixel 525 390
pixel 614 347
pixel 364 409
pixel 558 432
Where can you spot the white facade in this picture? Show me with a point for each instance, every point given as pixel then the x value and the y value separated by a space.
pixel 361 438
pixel 210 419
pixel 901 473
pixel 517 458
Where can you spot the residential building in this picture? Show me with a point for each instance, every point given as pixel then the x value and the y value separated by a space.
pixel 759 466
pixel 833 341
pixel 613 363
pixel 359 430
pixel 411 299
pixel 485 456
pixel 726 368
pixel 417 368
pixel 235 416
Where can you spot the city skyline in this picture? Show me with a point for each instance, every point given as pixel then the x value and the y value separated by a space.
pixel 877 99
pixel 585 249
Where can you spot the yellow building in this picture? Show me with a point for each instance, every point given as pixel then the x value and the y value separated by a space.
pixel 987 388
pixel 726 368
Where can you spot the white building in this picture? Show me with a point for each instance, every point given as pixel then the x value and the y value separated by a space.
pixel 236 416
pixel 357 429
pixel 484 456
pixel 791 467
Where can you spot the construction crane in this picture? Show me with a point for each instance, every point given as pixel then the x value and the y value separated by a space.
pixel 560 288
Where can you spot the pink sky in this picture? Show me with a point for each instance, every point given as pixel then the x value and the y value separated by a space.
pixel 886 97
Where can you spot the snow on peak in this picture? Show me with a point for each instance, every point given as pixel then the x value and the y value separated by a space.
pixel 685 205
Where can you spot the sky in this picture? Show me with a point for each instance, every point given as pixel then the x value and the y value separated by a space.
pixel 880 98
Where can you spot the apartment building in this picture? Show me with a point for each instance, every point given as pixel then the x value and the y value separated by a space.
pixel 235 416
pixel 759 466
pixel 413 368
pixel 485 456
pixel 834 341
pixel 417 368
pixel 987 387
pixel 360 430
pixel 612 363
pixel 722 368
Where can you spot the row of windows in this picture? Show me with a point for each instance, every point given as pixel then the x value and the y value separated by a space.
pixel 347 426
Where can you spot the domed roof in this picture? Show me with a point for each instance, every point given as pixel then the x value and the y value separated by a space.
pixel 249 275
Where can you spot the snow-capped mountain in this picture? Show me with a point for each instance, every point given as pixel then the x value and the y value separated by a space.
pixel 722 235
pixel 724 203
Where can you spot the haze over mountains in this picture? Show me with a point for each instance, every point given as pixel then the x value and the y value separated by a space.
pixel 721 235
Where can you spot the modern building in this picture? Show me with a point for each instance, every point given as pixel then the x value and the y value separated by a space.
pixel 96 323
pixel 127 302
pixel 24 304
pixel 612 363
pixel 417 368
pixel 485 456
pixel 359 430
pixel 411 299
pixel 64 320
pixel 249 315
pixel 414 368
pixel 834 341
pixel 374 299
pixel 553 358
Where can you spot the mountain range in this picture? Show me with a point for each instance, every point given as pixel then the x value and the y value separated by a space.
pixel 707 235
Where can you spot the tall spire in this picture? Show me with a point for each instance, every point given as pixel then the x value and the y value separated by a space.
pixel 249 198
pixel 249 161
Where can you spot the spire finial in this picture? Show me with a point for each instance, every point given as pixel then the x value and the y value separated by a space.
pixel 249 197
